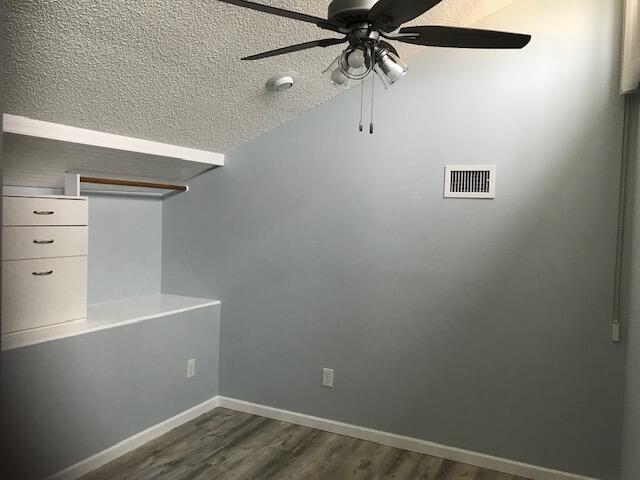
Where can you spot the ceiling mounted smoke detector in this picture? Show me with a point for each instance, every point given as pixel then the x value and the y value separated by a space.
pixel 280 83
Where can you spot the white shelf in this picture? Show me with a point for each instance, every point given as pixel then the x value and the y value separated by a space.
pixel 64 133
pixel 109 315
pixel 38 154
pixel 36 195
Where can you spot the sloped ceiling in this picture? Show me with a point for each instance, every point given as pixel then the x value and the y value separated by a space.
pixel 169 70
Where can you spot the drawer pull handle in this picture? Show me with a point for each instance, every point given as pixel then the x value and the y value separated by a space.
pixel 43 212
pixel 43 242
pixel 42 274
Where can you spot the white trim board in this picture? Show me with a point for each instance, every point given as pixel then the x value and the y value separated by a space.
pixel 127 445
pixel 398 441
pixel 55 131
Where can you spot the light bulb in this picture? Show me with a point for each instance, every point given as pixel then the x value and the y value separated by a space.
pixel 355 59
pixel 355 63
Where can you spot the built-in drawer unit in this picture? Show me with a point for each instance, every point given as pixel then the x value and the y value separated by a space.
pixel 21 243
pixel 44 211
pixel 44 261
pixel 43 292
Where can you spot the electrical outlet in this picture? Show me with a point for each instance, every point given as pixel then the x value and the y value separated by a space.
pixel 327 377
pixel 191 367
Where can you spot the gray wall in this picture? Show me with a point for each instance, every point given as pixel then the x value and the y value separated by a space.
pixel 631 425
pixel 125 247
pixel 66 400
pixel 483 325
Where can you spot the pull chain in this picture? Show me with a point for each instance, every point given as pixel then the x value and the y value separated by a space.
pixel 361 102
pixel 373 84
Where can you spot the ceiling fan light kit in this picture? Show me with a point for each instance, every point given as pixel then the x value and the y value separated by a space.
pixel 366 25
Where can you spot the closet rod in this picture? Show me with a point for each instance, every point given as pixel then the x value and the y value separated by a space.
pixel 132 183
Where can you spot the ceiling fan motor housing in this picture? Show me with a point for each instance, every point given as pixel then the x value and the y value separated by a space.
pixel 349 12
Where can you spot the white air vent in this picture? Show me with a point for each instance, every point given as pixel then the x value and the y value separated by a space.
pixel 470 181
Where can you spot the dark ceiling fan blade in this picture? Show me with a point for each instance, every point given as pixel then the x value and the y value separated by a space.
pixel 321 22
pixel 393 13
pixel 294 48
pixel 432 36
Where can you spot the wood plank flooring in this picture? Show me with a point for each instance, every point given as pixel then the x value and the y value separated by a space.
pixel 228 445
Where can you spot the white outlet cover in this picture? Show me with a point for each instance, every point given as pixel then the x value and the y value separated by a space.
pixel 191 368
pixel 327 377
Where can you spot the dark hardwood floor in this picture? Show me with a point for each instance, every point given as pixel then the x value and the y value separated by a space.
pixel 228 445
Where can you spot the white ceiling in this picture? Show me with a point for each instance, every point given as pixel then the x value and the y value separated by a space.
pixel 169 70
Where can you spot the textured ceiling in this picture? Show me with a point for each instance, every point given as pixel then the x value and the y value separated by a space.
pixel 169 70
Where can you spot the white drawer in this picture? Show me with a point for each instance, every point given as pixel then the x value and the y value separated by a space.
pixel 44 211
pixel 20 243
pixel 43 292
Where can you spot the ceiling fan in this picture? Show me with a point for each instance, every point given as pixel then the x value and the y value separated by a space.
pixel 367 24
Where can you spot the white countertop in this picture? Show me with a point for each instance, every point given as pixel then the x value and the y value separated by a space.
pixel 108 315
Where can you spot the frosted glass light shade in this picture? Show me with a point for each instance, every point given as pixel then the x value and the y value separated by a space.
pixel 336 76
pixel 390 69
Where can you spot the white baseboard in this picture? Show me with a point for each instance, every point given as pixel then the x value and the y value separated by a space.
pixel 101 458
pixel 384 438
pixel 405 443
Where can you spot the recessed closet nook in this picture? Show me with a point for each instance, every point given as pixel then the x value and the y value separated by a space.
pixel 82 262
